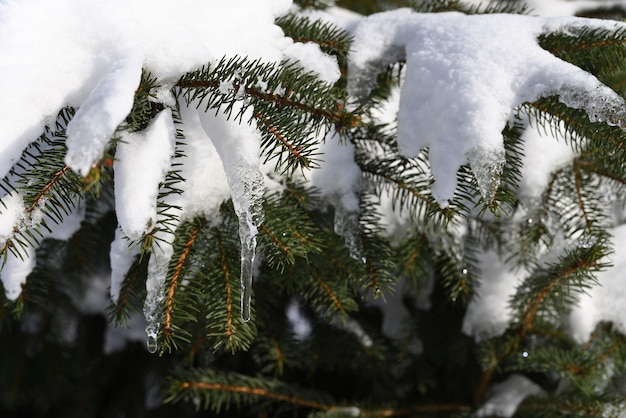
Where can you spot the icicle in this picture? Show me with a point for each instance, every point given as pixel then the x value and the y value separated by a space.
pixel 487 167
pixel 122 256
pixel 250 216
pixel 157 273
pixel 248 247
pixel 238 146
pixel 347 225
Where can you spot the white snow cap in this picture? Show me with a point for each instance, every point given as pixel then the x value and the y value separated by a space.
pixel 143 160
pixel 489 312
pixel 464 76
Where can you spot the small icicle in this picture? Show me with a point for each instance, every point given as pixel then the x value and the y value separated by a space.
pixel 155 289
pixel 248 247
pixel 249 219
pixel 487 164
pixel 347 225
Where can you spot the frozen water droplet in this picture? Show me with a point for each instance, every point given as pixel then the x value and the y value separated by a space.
pixel 486 164
pixel 151 344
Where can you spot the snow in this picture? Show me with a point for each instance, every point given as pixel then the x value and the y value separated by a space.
pixel 543 154
pixel 489 313
pixel 13 215
pixel 450 64
pixel 301 326
pixel 98 73
pixel 147 153
pixel 122 255
pixel 15 271
pixel 308 55
pixel 15 219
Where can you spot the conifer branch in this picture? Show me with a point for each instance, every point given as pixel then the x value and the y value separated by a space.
pixel 285 249
pixel 600 43
pixel 257 391
pixel 177 275
pixel 435 408
pixel 295 152
pixel 47 188
pixel 581 201
pixel 530 313
pixel 339 118
pixel 329 292
pixel 230 329
pixel 372 271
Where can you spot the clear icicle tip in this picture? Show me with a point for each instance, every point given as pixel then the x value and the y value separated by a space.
pixel 248 247
pixel 151 344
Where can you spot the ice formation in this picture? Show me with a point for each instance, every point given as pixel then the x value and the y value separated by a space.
pixel 238 146
pixel 136 195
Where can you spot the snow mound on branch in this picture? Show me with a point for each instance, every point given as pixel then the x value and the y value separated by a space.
pixel 465 74
pixel 150 152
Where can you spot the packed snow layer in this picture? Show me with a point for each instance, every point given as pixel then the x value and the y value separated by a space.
pixel 148 152
pixel 465 74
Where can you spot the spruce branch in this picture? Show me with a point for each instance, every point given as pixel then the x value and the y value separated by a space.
pixel 330 38
pixel 292 107
pixel 178 272
pixel 594 50
pixel 229 331
pixel 49 189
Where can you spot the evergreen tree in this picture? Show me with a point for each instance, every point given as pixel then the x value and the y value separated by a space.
pixel 350 275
